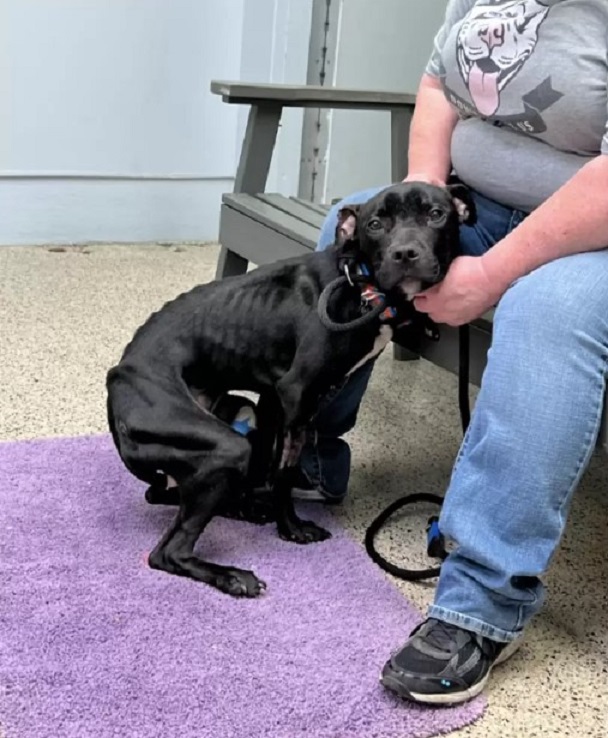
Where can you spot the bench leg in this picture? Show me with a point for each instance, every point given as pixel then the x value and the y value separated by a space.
pixel 258 145
pixel 252 171
pixel 402 354
pixel 230 264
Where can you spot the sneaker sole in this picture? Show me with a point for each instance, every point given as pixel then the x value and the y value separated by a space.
pixel 390 680
pixel 307 495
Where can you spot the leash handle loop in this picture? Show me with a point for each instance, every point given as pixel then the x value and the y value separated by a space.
pixel 326 295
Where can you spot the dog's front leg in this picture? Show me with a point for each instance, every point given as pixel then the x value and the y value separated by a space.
pixel 293 443
pixel 290 527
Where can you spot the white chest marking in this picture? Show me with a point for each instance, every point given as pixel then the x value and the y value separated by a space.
pixel 382 339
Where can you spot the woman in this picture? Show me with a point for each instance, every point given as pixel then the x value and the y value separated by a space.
pixel 514 99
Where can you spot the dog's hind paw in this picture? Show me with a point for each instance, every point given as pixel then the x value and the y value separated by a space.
pixel 303 532
pixel 159 495
pixel 240 583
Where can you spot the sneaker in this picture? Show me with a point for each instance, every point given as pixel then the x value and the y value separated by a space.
pixel 443 664
pixel 304 490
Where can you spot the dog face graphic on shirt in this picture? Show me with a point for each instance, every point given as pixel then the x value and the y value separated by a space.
pixel 494 42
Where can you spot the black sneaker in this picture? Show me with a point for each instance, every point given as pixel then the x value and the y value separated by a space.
pixel 442 664
pixel 304 490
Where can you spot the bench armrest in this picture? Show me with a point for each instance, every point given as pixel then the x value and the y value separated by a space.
pixel 310 96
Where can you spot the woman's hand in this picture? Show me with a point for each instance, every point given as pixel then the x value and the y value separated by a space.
pixel 423 177
pixel 464 295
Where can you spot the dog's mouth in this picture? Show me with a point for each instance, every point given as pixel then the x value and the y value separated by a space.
pixel 410 287
pixel 409 281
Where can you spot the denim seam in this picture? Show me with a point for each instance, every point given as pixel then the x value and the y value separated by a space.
pixel 316 464
pixel 319 480
pixel 463 447
pixel 517 217
pixel 581 465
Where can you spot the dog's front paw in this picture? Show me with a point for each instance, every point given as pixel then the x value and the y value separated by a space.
pixel 304 531
pixel 239 583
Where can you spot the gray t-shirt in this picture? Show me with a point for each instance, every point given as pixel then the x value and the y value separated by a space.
pixel 529 78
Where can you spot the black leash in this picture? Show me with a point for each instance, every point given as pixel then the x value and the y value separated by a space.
pixel 435 540
pixel 327 294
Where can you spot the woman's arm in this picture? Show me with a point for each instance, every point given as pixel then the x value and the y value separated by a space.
pixel 574 219
pixel 433 122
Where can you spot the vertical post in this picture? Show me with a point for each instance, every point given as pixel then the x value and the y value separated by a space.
pixel 322 54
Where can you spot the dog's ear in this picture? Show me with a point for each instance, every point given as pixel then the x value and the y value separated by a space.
pixel 461 195
pixel 346 229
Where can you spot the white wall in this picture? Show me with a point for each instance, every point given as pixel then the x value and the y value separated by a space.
pixel 282 28
pixel 382 44
pixel 107 127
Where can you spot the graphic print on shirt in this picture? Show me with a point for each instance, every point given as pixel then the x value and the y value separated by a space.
pixel 494 42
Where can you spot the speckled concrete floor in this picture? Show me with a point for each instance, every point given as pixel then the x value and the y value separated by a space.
pixel 64 318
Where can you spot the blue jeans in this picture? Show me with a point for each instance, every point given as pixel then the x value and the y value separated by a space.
pixel 532 432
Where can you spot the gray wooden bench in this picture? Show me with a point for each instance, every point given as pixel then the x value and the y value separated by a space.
pixel 277 226
pixel 261 227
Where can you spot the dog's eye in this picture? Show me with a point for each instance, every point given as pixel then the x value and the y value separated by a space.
pixel 435 215
pixel 375 224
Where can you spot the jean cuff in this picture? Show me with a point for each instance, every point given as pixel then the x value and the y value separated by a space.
pixel 473 624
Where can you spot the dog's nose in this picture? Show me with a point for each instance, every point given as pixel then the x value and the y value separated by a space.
pixel 409 253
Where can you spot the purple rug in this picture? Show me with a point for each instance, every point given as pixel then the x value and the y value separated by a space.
pixel 95 644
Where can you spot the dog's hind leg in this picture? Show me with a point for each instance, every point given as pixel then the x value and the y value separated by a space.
pixel 175 552
pixel 218 477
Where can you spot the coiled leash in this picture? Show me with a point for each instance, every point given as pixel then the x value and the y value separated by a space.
pixel 373 302
pixel 435 542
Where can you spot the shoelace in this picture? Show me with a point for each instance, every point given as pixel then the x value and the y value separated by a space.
pixel 443 636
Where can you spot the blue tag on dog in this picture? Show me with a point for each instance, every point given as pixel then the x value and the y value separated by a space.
pixel 245 421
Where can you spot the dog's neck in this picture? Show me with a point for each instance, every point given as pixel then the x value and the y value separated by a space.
pixel 350 262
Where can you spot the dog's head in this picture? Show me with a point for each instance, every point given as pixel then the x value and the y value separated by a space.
pixel 409 232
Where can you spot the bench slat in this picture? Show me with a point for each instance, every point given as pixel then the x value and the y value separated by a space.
pixel 311 96
pixel 273 218
pixel 294 208
pixel 322 209
pixel 256 242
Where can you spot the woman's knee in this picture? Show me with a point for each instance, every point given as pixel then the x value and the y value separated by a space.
pixel 338 413
pixel 564 298
pixel 328 229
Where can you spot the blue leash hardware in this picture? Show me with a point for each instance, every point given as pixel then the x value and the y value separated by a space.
pixel 435 541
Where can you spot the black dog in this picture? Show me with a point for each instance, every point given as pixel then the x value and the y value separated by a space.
pixel 263 332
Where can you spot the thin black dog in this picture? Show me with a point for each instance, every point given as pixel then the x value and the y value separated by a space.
pixel 168 408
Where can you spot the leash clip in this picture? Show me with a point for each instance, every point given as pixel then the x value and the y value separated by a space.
pixel 369 296
pixel 347 273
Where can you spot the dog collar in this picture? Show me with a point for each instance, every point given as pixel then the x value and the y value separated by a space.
pixel 371 296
